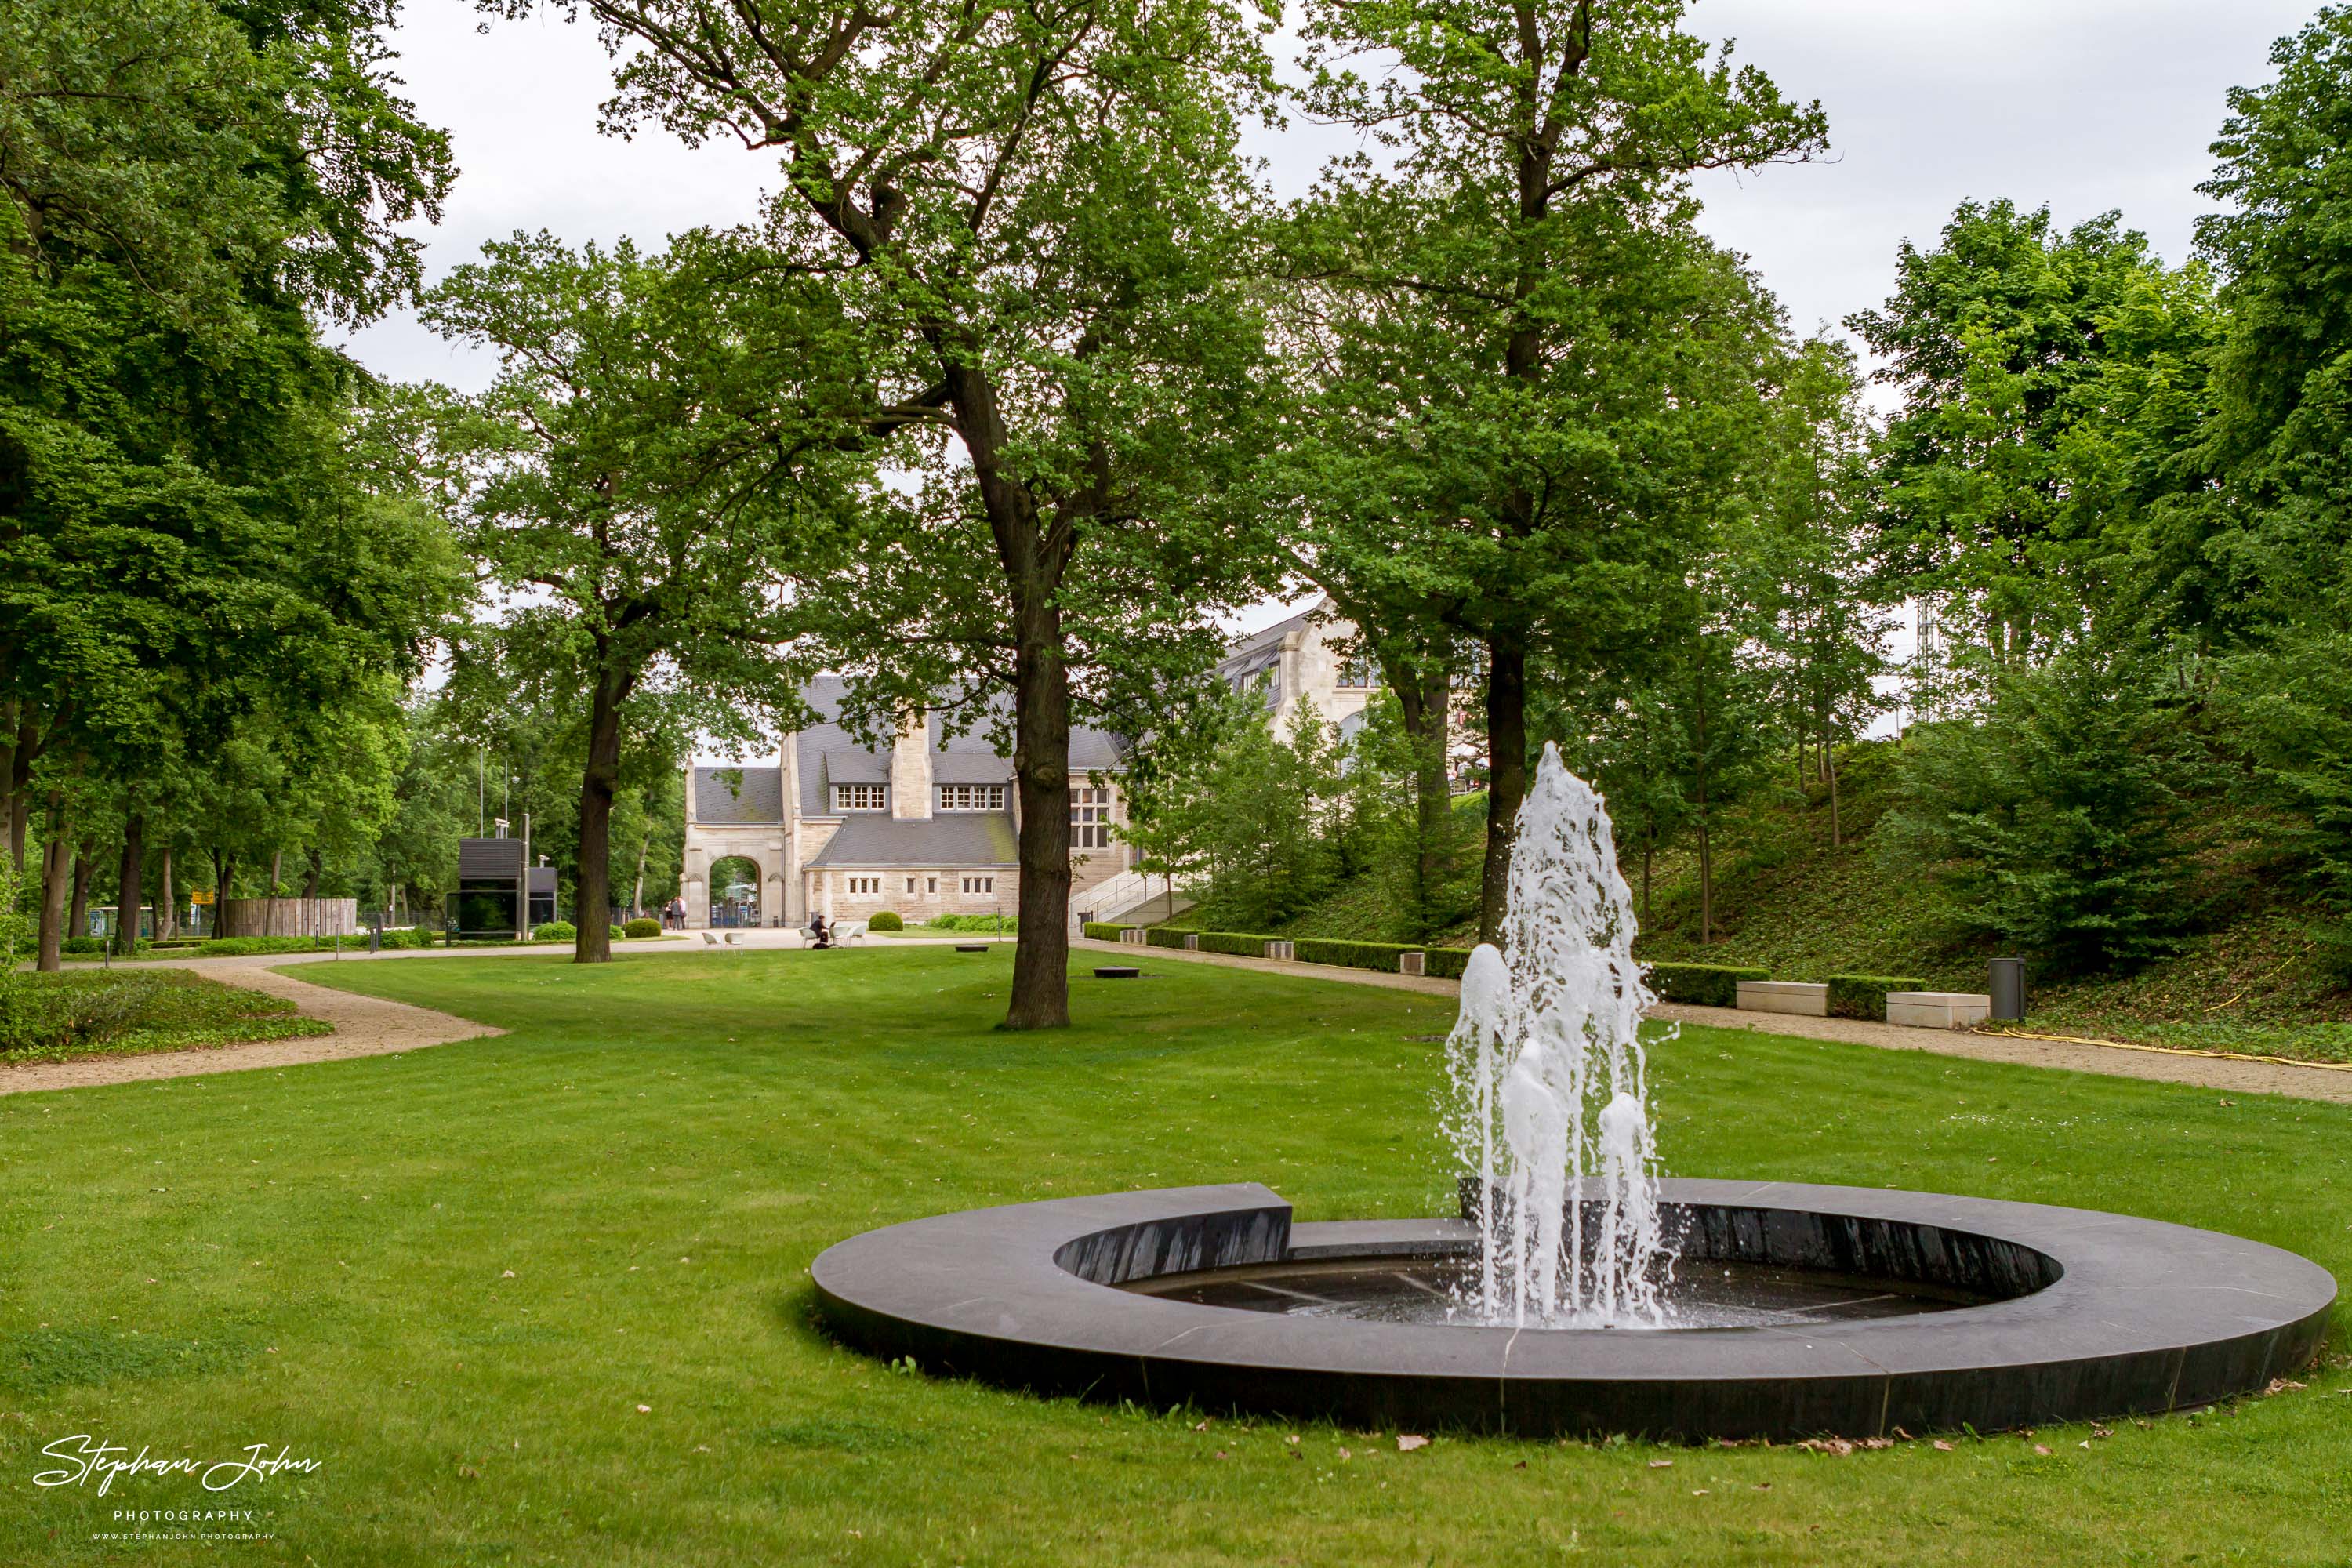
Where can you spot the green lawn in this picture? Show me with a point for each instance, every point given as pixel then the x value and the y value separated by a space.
pixel 453 1277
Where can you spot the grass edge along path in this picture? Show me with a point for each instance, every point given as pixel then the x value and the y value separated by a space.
pixel 542 1299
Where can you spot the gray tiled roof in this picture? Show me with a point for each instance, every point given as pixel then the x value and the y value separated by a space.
pixel 757 794
pixel 952 841
pixel 830 754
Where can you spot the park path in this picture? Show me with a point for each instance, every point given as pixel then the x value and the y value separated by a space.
pixel 2231 1075
pixel 373 1027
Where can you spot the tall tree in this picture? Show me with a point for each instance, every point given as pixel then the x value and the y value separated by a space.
pixel 1032 203
pixel 654 467
pixel 1576 336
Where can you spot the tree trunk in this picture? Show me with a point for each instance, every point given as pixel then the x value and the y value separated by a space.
pixel 1837 838
pixel 56 870
pixel 167 901
pixel 1032 559
pixel 1423 703
pixel 1706 845
pixel 1040 773
pixel 21 757
pixel 8 784
pixel 637 887
pixel 277 869
pixel 77 923
pixel 1648 851
pixel 129 884
pixel 592 894
pixel 310 877
pixel 1506 774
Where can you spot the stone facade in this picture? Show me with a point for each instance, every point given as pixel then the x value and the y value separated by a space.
pixel 925 826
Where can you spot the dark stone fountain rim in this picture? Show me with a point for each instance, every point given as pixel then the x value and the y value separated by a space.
pixel 2141 1316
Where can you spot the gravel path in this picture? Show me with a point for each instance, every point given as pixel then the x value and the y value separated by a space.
pixel 371 1027
pixel 2234 1075
pixel 364 1026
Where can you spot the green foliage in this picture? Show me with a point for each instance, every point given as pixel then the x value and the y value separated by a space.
pixel 1701 984
pixel 1379 955
pixel 1445 962
pixel 1256 823
pixel 643 926
pixel 1233 941
pixel 1168 936
pixel 989 923
pixel 1864 995
pixel 135 1011
pixel 1105 930
pixel 2057 821
pixel 883 920
pixel 554 930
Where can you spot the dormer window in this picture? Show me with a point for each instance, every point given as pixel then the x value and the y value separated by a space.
pixel 861 798
pixel 972 797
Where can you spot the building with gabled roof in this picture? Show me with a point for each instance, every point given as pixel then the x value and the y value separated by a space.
pixel 926 826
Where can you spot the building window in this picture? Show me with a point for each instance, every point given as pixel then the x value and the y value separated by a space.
pixel 911 884
pixel 1090 819
pixel 861 798
pixel 930 884
pixel 972 797
pixel 871 886
pixel 1360 674
pixel 979 884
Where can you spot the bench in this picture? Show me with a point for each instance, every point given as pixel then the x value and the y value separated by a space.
pixel 1805 999
pixel 1937 1009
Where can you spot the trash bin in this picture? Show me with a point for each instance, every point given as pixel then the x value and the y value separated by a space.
pixel 2008 990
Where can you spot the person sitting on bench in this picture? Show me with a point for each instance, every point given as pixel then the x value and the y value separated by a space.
pixel 820 933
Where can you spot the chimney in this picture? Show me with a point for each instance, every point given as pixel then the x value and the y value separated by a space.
pixel 910 768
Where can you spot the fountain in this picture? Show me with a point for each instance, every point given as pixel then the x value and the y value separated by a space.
pixel 1579 1290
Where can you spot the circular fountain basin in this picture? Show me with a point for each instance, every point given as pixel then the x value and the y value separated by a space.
pixel 1801 1310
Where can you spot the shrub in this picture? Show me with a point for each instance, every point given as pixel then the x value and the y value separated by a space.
pixel 252 946
pixel 1167 936
pixel 2057 818
pixel 1104 931
pixel 1377 955
pixel 89 944
pixel 78 1013
pixel 1233 941
pixel 556 931
pixel 1864 995
pixel 1701 984
pixel 991 923
pixel 1445 962
pixel 643 926
pixel 883 920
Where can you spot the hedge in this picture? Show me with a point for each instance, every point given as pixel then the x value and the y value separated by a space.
pixel 1701 984
pixel 884 920
pixel 555 931
pixel 1104 931
pixel 990 923
pixel 1379 955
pixel 1240 943
pixel 1864 995
pixel 1168 936
pixel 644 925
pixel 1445 962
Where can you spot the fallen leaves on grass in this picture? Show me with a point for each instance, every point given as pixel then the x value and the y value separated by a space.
pixel 1407 1442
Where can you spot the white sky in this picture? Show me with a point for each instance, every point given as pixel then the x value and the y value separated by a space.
pixel 2084 104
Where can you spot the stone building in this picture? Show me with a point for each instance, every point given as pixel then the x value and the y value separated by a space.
pixel 1300 660
pixel 925 826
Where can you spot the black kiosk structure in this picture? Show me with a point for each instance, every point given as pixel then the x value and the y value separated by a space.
pixel 500 895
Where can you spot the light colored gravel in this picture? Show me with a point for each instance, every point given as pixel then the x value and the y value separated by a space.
pixel 2231 1075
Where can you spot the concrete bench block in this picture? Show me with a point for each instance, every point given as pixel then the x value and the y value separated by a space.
pixel 1132 936
pixel 1803 998
pixel 1412 964
pixel 1286 950
pixel 1193 942
pixel 1937 1009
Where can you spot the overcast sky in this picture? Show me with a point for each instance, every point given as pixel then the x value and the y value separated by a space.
pixel 2086 105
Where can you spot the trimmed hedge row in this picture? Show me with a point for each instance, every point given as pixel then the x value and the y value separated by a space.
pixel 1864 995
pixel 1701 984
pixel 1105 930
pixel 1168 936
pixel 1380 955
pixel 1445 962
pixel 1240 943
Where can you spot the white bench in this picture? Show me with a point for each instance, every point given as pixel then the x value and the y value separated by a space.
pixel 1803 998
pixel 1937 1009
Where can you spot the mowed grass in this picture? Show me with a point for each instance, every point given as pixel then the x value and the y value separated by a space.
pixel 453 1277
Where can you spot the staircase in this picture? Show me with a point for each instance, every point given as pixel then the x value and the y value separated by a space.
pixel 1128 898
